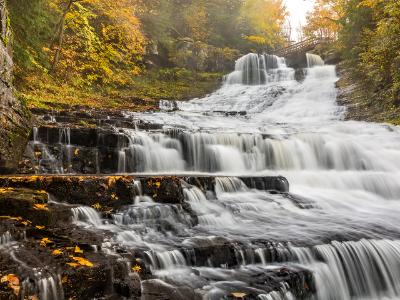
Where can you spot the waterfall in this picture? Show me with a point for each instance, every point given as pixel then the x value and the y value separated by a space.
pixel 314 60
pixel 208 212
pixel 334 235
pixel 229 185
pixel 87 215
pixel 5 239
pixel 348 270
pixel 258 69
pixel 50 288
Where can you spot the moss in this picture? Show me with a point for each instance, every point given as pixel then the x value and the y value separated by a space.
pixel 6 38
pixel 394 121
pixel 142 93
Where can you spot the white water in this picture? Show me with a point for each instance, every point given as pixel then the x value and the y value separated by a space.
pixel 344 177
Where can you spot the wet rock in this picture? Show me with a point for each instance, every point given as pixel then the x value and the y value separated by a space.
pixel 274 183
pixel 216 252
pixel 108 191
pixel 60 261
pixel 90 118
pixel 231 113
pixel 205 183
pixel 158 289
pixel 28 204
pixel 117 191
pixel 164 189
pixel 301 202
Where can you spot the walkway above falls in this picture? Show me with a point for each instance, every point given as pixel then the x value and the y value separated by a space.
pixel 295 53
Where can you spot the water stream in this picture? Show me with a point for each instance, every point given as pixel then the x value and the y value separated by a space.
pixel 340 223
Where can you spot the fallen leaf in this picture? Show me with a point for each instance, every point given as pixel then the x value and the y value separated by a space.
pixel 78 250
pixel 38 206
pixel 39 227
pixel 13 279
pixel 13 282
pixel 82 261
pixel 238 295
pixel 45 241
pixel 72 264
pixel 57 252
pixel 137 269
pixel 96 206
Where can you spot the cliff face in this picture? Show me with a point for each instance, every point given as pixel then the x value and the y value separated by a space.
pixel 14 118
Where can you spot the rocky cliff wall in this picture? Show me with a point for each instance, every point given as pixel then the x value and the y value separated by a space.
pixel 14 118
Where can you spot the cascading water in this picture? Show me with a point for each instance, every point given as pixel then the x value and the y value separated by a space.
pixel 314 60
pixel 344 186
pixel 257 69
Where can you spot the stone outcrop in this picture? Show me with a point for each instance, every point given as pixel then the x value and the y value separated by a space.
pixel 57 259
pixel 14 125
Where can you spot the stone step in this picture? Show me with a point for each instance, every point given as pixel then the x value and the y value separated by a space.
pixel 115 191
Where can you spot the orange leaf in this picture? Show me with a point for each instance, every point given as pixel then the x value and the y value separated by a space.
pixel 40 206
pixel 57 252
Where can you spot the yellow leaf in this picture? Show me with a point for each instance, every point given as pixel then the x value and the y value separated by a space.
pixel 6 190
pixel 45 241
pixel 13 282
pixel 76 152
pixel 72 264
pixel 114 197
pixel 78 250
pixel 40 206
pixel 82 261
pixel 39 227
pixel 137 269
pixel 96 206
pixel 57 252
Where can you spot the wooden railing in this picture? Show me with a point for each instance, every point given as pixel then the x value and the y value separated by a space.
pixel 301 47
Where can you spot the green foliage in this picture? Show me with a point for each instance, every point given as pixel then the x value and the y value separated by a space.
pixel 380 54
pixel 89 52
pixel 32 23
pixel 218 23
pixel 368 34
pixel 101 42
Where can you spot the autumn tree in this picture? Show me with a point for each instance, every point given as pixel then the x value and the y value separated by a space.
pixel 368 39
pixel 325 19
pixel 262 22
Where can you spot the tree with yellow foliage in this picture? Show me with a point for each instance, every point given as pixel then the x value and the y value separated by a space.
pixel 324 20
pixel 263 22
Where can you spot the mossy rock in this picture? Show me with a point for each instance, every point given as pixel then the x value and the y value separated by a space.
pixel 25 203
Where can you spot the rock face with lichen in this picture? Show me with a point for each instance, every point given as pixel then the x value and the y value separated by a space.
pixel 14 118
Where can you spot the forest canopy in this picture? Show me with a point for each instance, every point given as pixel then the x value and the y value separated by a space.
pixel 101 42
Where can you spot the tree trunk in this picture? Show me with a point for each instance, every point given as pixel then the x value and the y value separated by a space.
pixel 60 38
